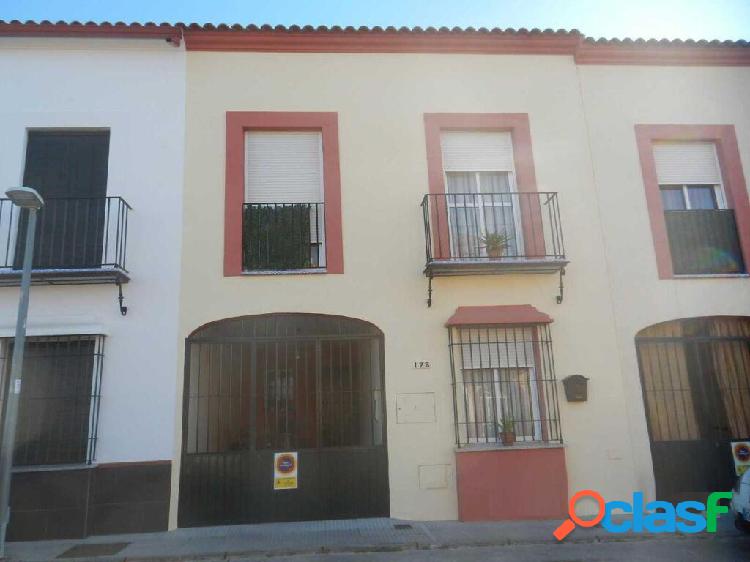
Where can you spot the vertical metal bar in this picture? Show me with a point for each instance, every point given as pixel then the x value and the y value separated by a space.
pixel 125 214
pixel 352 428
pixel 319 392
pixel 472 384
pixel 284 385
pixel 45 220
pixel 551 366
pixel 340 381
pixel 478 207
pixel 451 345
pixel 105 231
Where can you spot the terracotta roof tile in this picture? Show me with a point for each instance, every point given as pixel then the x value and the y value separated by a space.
pixel 295 38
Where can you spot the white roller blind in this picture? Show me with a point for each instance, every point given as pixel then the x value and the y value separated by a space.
pixel 686 163
pixel 283 167
pixel 476 151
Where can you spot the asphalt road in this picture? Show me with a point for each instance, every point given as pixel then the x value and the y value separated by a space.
pixel 735 549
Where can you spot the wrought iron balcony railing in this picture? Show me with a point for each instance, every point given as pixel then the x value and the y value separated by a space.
pixel 283 236
pixel 78 240
pixel 468 233
pixel 704 242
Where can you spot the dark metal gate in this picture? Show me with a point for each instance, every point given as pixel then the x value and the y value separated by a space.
pixel 695 377
pixel 256 386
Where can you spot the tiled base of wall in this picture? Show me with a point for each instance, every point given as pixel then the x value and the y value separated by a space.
pixel 512 483
pixel 97 500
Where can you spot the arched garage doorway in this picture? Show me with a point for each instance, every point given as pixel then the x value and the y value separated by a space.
pixel 256 386
pixel 695 375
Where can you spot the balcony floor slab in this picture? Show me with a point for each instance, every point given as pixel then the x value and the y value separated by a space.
pixel 453 267
pixel 83 276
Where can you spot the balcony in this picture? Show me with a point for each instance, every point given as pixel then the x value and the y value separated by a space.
pixel 704 242
pixel 492 233
pixel 79 240
pixel 283 237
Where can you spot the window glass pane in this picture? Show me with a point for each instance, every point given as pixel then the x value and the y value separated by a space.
pixel 499 220
pixel 464 227
pixel 464 207
pixel 673 198
pixel 480 396
pixel 519 401
pixel 494 182
pixel 461 182
pixel 499 207
pixel 702 197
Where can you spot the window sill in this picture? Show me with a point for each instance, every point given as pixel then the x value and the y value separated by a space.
pixel 711 276
pixel 52 467
pixel 311 271
pixel 518 445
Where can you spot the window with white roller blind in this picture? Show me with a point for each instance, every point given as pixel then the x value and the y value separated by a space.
pixel 688 175
pixel 284 206
pixel 480 192
pixel 702 231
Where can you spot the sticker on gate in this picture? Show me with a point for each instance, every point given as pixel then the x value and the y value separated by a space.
pixel 741 455
pixel 285 471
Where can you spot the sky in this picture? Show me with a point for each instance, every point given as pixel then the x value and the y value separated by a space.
pixel 671 19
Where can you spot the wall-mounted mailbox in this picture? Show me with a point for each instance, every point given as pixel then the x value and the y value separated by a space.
pixel 576 388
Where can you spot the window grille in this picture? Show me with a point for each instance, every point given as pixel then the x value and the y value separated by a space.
pixel 58 408
pixel 504 380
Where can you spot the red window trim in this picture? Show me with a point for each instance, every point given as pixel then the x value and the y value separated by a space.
pixel 523 160
pixel 240 121
pixel 732 176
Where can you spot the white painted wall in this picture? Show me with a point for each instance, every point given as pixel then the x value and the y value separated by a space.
pixel 136 89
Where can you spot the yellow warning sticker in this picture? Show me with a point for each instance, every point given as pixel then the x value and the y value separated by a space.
pixel 284 483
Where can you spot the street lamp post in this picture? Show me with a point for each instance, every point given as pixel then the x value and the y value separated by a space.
pixel 26 199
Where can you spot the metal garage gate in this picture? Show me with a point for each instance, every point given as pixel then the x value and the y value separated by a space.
pixel 695 375
pixel 256 386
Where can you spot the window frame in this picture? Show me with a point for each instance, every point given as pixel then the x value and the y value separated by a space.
pixel 479 216
pixel 97 367
pixel 523 174
pixel 237 124
pixel 684 188
pixel 732 178
pixel 535 345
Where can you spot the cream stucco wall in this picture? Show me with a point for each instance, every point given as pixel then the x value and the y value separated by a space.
pixel 380 101
pixel 134 88
pixel 616 99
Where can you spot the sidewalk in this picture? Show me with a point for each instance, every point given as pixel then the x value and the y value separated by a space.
pixel 275 539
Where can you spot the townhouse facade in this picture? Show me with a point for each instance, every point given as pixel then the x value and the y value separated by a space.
pixel 454 274
pixel 96 125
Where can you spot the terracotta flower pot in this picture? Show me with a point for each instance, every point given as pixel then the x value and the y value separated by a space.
pixel 508 437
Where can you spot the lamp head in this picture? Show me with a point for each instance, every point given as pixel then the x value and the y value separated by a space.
pixel 25 197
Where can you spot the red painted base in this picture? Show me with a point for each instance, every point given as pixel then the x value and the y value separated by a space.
pixel 512 484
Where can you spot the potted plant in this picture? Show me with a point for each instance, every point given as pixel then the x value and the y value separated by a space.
pixel 496 243
pixel 507 431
